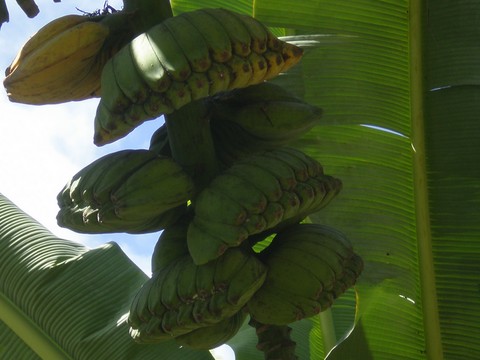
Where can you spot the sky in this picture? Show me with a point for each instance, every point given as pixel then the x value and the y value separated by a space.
pixel 42 147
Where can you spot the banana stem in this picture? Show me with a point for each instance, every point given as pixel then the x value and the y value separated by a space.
pixel 274 341
pixel 147 13
pixel 191 142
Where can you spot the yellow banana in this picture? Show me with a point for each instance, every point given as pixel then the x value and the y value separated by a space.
pixel 46 74
pixel 44 34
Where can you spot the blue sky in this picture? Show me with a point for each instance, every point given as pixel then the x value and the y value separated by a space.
pixel 44 146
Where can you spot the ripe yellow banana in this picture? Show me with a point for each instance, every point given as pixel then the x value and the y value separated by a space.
pixel 63 68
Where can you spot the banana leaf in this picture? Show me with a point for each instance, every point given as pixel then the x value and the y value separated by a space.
pixel 399 84
pixel 61 300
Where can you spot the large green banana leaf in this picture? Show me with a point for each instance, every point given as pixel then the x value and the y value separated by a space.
pixel 398 81
pixel 60 300
pixel 399 85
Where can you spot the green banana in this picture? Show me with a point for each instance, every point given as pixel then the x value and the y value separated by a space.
pixel 213 33
pixel 314 167
pixel 227 270
pixel 171 245
pixel 267 111
pixel 168 294
pixel 208 239
pixel 187 289
pixel 112 194
pixel 259 178
pixel 154 295
pixel 130 82
pixel 295 264
pixel 276 307
pixel 220 78
pixel 169 53
pixel 259 67
pixel 306 195
pixel 178 94
pixel 309 265
pixel 273 214
pixel 199 85
pixel 163 58
pixel 241 191
pixel 149 190
pixel 298 166
pixel 116 101
pixel 241 72
pixel 255 224
pixel 191 42
pixel 235 29
pixel 275 63
pixel 168 305
pixel 116 174
pixel 159 142
pixel 232 143
pixel 291 273
pixel 258 33
pixel 209 337
pixel 291 55
pixel 208 203
pixel 283 173
pixel 156 103
pixel 252 269
pixel 326 187
pixel 262 92
pixel 147 64
pixel 290 204
pixel 243 202
pixel 321 235
pixel 205 287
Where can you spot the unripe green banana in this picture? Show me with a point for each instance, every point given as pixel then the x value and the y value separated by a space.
pixel 268 114
pixel 243 202
pixel 130 82
pixel 208 239
pixel 182 296
pixel 171 245
pixel 191 42
pixel 212 31
pixel 210 337
pixel 159 143
pixel 127 191
pixel 309 266
pixel 169 57
pixel 235 29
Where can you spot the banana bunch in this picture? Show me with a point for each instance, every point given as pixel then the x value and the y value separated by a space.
pixel 210 337
pixel 132 191
pixel 188 57
pixel 182 297
pixel 309 266
pixel 257 118
pixel 59 63
pixel 256 194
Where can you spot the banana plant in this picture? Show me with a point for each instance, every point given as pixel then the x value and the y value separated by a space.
pixel 397 83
